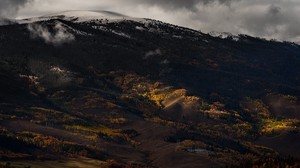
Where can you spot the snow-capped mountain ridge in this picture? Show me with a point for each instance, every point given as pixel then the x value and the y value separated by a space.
pixel 80 16
pixel 102 17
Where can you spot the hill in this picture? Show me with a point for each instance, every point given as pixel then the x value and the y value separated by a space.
pixel 102 89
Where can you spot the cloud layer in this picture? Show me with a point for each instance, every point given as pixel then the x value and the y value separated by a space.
pixel 181 4
pixel 9 8
pixel 57 36
pixel 277 19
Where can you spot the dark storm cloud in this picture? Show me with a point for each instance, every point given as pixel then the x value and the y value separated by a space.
pixel 274 10
pixel 181 4
pixel 9 8
pixel 276 22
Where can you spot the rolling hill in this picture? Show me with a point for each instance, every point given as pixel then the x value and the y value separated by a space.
pixel 100 89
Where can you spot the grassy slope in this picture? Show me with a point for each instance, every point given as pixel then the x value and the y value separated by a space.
pixel 220 96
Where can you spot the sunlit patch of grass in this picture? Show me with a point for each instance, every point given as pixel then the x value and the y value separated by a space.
pixel 68 163
pixel 158 95
pixel 38 139
pixel 241 129
pixel 275 127
pixel 44 115
pixel 102 131
pixel 94 129
pixel 120 120
pixel 90 137
pixel 190 144
pixel 52 144
pixel 216 114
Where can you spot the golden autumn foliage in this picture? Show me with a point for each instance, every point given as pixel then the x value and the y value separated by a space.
pixel 102 131
pixel 275 127
pixel 43 115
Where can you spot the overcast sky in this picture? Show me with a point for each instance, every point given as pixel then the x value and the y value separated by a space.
pixel 278 19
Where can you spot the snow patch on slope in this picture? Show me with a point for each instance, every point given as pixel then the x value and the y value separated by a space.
pixel 121 34
pixel 225 35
